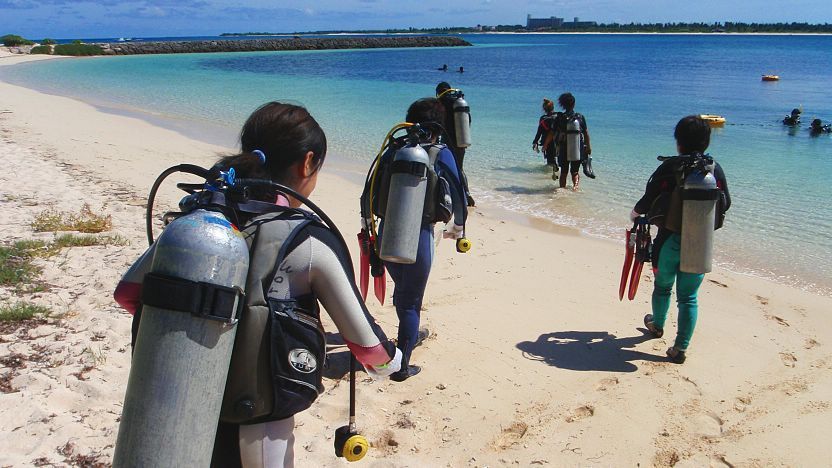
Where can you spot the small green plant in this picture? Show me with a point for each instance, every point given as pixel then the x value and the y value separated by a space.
pixel 13 40
pixel 41 49
pixel 77 49
pixel 16 267
pixel 48 41
pixel 72 240
pixel 21 311
pixel 84 221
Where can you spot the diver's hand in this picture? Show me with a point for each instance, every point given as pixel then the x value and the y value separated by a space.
pixel 535 148
pixel 380 372
pixel 588 150
pixel 366 224
pixel 634 215
pixel 453 231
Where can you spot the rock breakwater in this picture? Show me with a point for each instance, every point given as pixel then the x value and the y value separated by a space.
pixel 254 45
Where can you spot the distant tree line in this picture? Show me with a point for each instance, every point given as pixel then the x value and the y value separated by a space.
pixel 717 27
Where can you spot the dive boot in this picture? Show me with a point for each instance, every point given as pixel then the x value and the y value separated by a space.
pixel 651 327
pixel 406 373
pixel 676 355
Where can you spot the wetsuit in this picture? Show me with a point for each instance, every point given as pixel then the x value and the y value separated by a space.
pixel 545 137
pixel 560 125
pixel 791 120
pixel 666 249
pixel 315 265
pixel 410 280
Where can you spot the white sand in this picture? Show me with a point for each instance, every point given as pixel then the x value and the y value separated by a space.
pixel 533 360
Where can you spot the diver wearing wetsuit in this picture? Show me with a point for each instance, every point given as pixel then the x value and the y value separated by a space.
pixel 447 100
pixel 692 137
pixel 819 128
pixel 545 136
pixel 792 119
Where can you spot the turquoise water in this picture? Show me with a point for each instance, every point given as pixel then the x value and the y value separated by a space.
pixel 631 88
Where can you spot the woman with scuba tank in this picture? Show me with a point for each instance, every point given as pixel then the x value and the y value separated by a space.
pixel 545 136
pixel 296 261
pixel 668 190
pixel 408 255
pixel 572 141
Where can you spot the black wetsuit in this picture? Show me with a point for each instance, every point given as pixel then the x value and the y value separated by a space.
pixel 545 125
pixel 663 181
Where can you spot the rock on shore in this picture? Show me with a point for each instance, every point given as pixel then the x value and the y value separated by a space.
pixel 253 45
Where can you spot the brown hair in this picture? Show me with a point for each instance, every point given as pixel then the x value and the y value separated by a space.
pixel 284 133
pixel 548 105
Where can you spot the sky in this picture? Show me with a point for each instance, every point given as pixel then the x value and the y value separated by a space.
pixel 64 19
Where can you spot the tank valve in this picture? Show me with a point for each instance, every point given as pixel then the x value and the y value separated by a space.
pixel 350 444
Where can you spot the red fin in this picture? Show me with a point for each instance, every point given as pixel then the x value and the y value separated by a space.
pixel 628 261
pixel 380 286
pixel 634 278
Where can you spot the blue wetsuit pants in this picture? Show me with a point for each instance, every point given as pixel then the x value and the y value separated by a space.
pixel 687 286
pixel 410 282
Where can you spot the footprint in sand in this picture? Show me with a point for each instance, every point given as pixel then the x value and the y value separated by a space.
pixel 762 300
pixel 779 320
pixel 722 285
pixel 581 412
pixel 811 343
pixel 707 425
pixel 788 359
pixel 605 384
pixel 742 403
pixel 510 435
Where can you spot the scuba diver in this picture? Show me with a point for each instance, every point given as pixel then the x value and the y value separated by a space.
pixel 818 128
pixel 545 135
pixel 792 119
pixel 682 249
pixel 411 185
pixel 443 67
pixel 457 135
pixel 574 148
pixel 295 260
pixel 461 70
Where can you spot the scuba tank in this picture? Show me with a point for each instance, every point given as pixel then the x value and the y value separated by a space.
pixel 699 196
pixel 405 203
pixel 573 138
pixel 462 122
pixel 191 301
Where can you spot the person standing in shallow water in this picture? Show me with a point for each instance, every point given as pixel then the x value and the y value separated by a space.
pixel 545 136
pixel 567 102
pixel 693 135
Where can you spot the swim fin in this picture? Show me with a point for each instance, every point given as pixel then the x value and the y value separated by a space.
pixel 587 164
pixel 364 262
pixel 629 244
pixel 643 251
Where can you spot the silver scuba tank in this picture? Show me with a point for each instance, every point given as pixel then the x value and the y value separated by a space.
pixel 182 352
pixel 462 123
pixel 573 139
pixel 699 196
pixel 405 204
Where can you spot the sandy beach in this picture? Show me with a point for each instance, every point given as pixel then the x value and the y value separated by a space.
pixel 532 360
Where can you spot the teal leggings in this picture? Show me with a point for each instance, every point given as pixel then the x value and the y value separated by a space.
pixel 687 285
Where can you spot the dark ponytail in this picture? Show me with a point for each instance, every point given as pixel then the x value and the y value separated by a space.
pixel 284 133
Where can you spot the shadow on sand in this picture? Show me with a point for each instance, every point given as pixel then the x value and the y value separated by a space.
pixel 588 351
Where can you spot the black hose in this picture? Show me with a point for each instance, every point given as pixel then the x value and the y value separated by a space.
pixel 151 198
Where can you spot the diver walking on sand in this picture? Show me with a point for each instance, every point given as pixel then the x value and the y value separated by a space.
pixel 686 197
pixel 203 281
pixel 457 135
pixel 411 185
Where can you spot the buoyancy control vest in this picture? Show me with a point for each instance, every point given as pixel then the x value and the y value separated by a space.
pixel 277 364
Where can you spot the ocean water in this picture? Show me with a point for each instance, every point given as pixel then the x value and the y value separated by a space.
pixel 631 88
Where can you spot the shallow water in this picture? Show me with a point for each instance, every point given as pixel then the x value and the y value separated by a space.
pixel 631 88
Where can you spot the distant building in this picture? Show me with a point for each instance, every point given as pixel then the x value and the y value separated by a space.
pixel 553 22
pixel 543 23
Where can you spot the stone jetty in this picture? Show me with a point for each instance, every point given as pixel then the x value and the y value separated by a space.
pixel 254 45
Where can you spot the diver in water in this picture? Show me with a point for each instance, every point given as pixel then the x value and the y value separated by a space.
pixel 568 123
pixel 818 128
pixel 461 70
pixel 443 67
pixel 545 136
pixel 662 203
pixel 792 119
